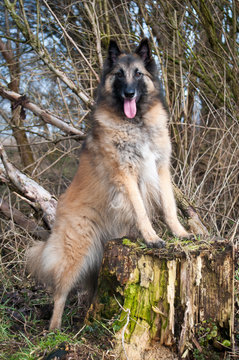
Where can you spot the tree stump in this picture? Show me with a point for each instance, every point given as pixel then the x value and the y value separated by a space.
pixel 167 296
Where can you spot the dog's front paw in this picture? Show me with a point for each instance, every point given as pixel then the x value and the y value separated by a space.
pixel 186 235
pixel 157 243
pixel 182 233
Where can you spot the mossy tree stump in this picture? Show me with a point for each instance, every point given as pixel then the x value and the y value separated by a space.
pixel 166 294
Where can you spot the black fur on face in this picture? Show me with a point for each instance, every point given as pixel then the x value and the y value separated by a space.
pixel 143 51
pixel 128 79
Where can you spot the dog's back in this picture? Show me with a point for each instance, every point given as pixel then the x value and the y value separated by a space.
pixel 123 174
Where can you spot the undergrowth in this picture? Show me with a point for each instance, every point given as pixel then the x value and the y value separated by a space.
pixel 25 310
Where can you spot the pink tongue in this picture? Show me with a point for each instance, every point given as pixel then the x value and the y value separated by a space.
pixel 130 108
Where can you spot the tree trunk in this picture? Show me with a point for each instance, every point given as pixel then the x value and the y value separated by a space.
pixel 23 145
pixel 180 297
pixel 17 124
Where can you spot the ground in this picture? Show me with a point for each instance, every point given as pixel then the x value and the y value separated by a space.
pixel 25 312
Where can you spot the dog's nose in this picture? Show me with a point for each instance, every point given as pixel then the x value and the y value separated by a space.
pixel 129 93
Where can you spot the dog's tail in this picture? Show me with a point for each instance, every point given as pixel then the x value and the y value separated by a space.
pixel 61 263
pixel 49 264
pixel 34 263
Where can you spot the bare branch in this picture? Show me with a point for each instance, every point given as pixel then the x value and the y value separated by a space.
pixel 195 223
pixel 74 43
pixel 44 115
pixel 95 24
pixel 22 220
pixel 43 53
pixel 39 197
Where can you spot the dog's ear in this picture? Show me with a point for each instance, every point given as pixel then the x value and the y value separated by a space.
pixel 144 51
pixel 113 52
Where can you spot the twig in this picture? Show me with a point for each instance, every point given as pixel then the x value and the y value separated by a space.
pixel 75 336
pixel 22 220
pixel 72 41
pixel 127 311
pixel 43 53
pixel 95 24
pixel 44 115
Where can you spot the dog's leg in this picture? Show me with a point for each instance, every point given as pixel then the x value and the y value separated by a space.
pixel 65 283
pixel 168 203
pixel 59 304
pixel 143 222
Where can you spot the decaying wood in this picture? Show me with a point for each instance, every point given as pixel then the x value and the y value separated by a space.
pixel 22 220
pixel 39 197
pixel 167 292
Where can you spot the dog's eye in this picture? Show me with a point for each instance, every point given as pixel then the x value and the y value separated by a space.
pixel 138 74
pixel 119 74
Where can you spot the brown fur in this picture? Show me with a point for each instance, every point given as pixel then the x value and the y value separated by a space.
pixel 122 178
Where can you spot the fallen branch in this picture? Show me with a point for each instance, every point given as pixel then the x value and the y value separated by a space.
pixel 39 197
pixel 22 220
pixel 3 176
pixel 43 114
pixel 195 223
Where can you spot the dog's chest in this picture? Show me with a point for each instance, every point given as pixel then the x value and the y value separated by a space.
pixel 138 152
pixel 148 176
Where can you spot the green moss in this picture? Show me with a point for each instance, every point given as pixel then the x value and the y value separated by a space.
pixel 226 343
pixel 158 292
pixel 140 300
pixel 131 295
pixel 144 306
pixel 107 304
pixel 163 281
pixel 137 300
pixel 129 243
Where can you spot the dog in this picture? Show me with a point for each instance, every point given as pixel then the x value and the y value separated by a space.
pixel 123 177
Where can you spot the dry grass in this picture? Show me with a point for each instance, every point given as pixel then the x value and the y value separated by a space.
pixel 207 171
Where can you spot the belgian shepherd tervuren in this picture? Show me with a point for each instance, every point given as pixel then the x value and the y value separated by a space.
pixel 122 178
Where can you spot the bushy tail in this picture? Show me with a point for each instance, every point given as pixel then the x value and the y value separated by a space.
pixel 51 266
pixel 61 271
pixel 34 263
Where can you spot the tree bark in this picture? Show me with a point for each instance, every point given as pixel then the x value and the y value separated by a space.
pixel 166 295
pixel 23 145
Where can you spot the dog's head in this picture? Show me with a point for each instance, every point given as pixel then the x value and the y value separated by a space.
pixel 129 78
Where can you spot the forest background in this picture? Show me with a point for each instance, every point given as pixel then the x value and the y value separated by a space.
pixel 52 52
